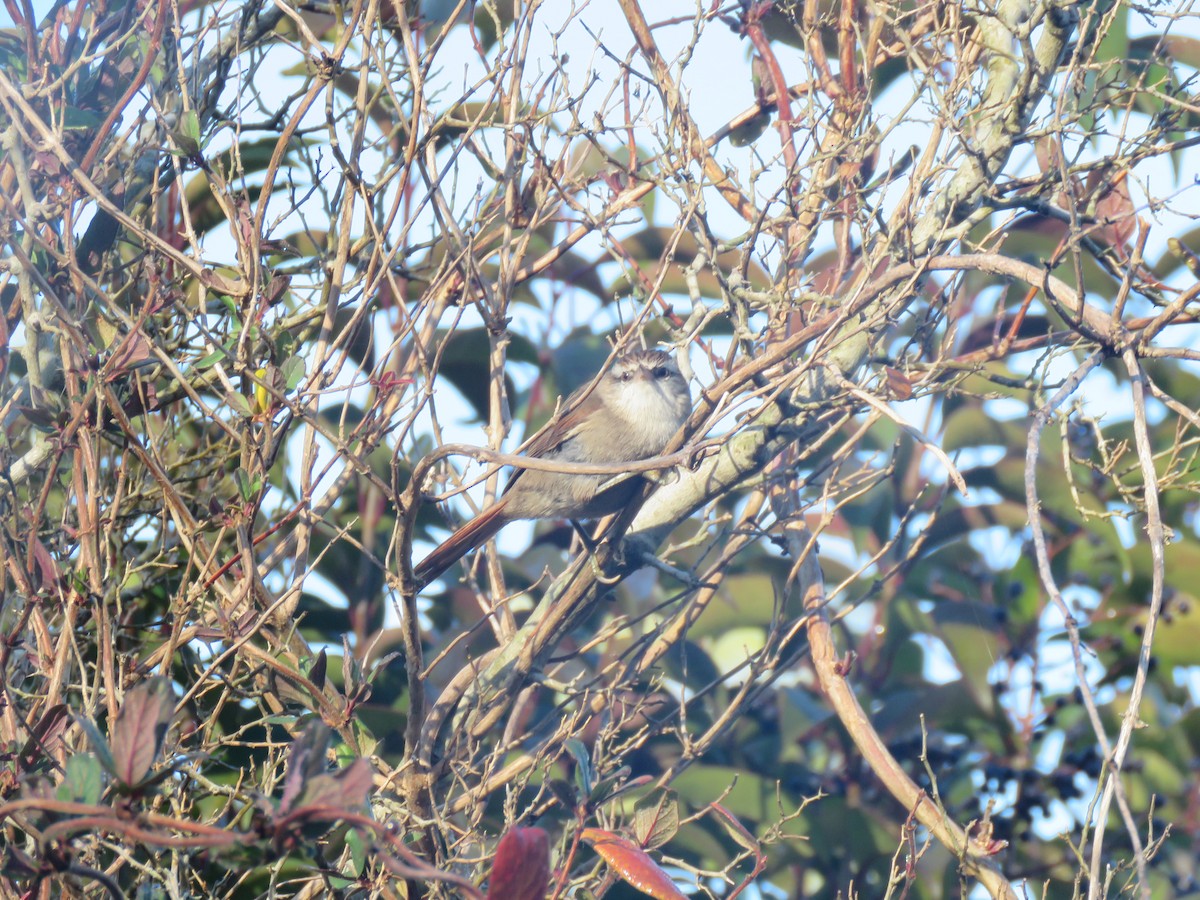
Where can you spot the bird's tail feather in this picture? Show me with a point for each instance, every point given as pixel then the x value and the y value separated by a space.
pixel 471 535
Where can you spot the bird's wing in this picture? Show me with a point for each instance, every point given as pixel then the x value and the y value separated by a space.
pixel 552 436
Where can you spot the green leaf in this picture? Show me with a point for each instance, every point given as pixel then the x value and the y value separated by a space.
pixel 248 487
pixel 103 753
pixel 656 819
pixel 187 135
pixel 211 359
pixel 83 779
pixel 613 785
pixel 189 126
pixel 293 371
pixel 585 776
pixel 81 119
pixel 358 852
pixel 241 404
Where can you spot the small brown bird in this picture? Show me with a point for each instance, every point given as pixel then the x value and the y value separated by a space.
pixel 631 414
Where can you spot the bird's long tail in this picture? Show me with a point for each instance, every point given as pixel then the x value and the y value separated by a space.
pixel 471 535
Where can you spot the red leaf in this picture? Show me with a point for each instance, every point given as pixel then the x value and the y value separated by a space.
pixel 898 382
pixel 1114 209
pixel 522 867
pixel 737 830
pixel 308 785
pixel 131 352
pixel 47 569
pixel 1049 153
pixel 633 864
pixel 141 725
pixel 44 738
pixel 306 760
pixel 346 789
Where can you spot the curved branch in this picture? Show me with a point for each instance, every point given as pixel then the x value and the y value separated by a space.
pixel 974 856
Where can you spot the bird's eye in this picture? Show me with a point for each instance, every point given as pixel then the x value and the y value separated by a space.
pixel 661 372
pixel 626 375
